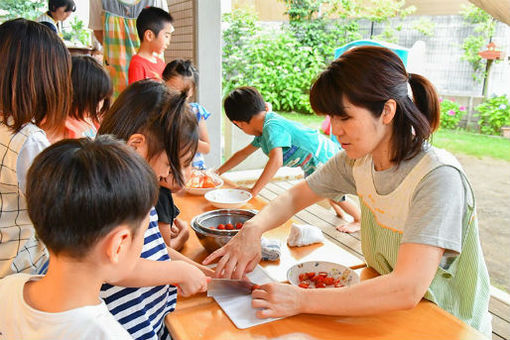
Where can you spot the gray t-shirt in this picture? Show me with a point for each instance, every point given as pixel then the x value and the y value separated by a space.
pixel 438 204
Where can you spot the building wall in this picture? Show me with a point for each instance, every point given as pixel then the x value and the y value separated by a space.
pixel 182 44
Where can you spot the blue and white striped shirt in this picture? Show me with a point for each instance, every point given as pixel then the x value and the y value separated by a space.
pixel 141 311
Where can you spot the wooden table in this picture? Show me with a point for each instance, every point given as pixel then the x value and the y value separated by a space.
pixel 200 317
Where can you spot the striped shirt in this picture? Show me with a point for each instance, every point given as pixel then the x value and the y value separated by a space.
pixel 142 310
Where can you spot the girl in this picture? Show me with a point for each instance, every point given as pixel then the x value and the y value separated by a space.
pixel 92 90
pixel 58 11
pixel 35 95
pixel 418 228
pixel 162 130
pixel 181 75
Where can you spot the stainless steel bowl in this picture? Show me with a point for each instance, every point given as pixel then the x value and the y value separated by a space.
pixel 205 224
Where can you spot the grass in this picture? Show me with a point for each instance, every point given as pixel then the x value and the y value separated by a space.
pixel 455 141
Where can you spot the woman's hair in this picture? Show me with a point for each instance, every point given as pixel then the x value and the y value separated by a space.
pixel 181 68
pixel 35 85
pixel 78 190
pixel 368 77
pixel 69 5
pixel 91 84
pixel 161 115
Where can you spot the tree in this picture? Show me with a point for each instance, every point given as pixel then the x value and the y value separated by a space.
pixel 28 9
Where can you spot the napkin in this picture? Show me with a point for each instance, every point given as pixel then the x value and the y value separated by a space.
pixel 303 235
pixel 270 249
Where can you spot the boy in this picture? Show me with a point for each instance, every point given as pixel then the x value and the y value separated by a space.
pixel 154 27
pixel 285 142
pixel 89 201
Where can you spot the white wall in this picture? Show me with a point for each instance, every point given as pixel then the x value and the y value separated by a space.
pixel 208 60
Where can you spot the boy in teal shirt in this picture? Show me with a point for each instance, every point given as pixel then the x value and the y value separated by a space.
pixel 285 142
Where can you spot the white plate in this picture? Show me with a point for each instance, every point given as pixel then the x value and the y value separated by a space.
pixel 228 198
pixel 348 276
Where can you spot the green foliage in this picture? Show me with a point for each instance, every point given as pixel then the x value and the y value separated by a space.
pixel 493 113
pixel 78 33
pixel 484 28
pixel 29 9
pixel 424 26
pixel 451 114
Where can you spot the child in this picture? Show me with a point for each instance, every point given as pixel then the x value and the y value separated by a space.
pixel 90 203
pixel 58 11
pixel 35 95
pixel 154 27
pixel 181 75
pixel 92 90
pixel 286 143
pixel 162 130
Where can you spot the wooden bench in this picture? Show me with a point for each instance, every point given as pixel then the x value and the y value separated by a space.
pixel 327 220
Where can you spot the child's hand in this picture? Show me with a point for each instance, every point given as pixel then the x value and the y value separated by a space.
pixel 191 280
pixel 179 233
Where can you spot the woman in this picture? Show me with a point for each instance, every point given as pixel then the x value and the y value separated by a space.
pixel 418 227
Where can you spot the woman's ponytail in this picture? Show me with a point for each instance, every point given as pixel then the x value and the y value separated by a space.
pixel 426 99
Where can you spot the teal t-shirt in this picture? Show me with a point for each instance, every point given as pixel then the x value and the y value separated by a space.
pixel 302 147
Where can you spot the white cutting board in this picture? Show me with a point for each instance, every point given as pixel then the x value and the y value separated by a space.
pixel 238 308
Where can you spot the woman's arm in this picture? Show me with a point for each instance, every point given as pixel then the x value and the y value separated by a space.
pixel 401 289
pixel 242 253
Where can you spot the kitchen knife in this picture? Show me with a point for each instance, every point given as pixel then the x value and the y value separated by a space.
pixel 227 287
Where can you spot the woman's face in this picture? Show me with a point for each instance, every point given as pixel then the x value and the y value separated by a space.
pixel 359 133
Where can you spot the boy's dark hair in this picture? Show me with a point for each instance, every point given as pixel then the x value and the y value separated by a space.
pixel 78 190
pixel 181 68
pixel 91 84
pixel 152 18
pixel 243 103
pixel 380 75
pixel 162 115
pixel 35 85
pixel 69 5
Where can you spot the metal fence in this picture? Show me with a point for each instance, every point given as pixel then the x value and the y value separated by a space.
pixel 444 66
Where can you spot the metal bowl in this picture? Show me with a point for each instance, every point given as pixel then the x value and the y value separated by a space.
pixel 205 224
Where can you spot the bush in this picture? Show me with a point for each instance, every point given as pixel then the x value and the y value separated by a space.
pixel 494 113
pixel 451 114
pixel 275 63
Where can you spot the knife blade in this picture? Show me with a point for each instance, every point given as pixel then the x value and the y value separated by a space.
pixel 227 287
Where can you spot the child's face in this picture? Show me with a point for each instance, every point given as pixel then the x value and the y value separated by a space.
pixel 186 174
pixel 160 165
pixel 180 84
pixel 247 127
pixel 162 40
pixel 60 14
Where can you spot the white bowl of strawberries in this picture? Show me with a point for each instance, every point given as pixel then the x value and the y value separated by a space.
pixel 321 274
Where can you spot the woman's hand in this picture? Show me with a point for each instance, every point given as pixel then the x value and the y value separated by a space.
pixel 240 255
pixel 277 300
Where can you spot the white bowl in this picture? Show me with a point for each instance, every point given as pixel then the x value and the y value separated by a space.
pixel 202 191
pixel 346 275
pixel 228 198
